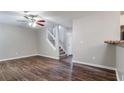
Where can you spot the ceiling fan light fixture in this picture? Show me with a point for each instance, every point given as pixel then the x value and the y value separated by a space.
pixel 34 25
pixel 33 20
pixel 30 24
pixel 37 18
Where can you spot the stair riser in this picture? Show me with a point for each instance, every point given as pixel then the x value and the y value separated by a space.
pixel 62 53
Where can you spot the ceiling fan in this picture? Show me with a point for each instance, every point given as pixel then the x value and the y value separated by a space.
pixel 32 19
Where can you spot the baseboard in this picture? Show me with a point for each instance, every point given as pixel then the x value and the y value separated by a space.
pixel 57 58
pixel 18 57
pixel 117 75
pixel 94 65
pixel 28 56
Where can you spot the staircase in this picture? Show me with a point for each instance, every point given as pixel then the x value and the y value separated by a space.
pixel 52 34
pixel 62 53
pixel 53 39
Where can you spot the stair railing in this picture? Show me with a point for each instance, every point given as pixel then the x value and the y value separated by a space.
pixel 52 36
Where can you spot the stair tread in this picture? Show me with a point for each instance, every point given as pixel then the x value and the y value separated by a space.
pixel 63 55
pixel 62 52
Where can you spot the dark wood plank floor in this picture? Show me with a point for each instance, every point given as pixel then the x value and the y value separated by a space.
pixel 40 68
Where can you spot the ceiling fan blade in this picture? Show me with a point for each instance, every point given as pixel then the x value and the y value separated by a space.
pixel 41 21
pixel 40 24
pixel 22 21
pixel 26 11
pixel 26 17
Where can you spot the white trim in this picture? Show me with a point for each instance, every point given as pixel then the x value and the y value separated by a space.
pixel 95 65
pixel 51 44
pixel 28 56
pixel 12 58
pixel 117 75
pixel 57 58
pixel 52 35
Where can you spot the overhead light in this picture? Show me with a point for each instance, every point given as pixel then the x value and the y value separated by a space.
pixel 30 24
pixel 37 18
pixel 60 27
pixel 34 25
pixel 47 18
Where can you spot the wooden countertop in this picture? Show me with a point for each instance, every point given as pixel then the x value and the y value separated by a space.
pixel 114 42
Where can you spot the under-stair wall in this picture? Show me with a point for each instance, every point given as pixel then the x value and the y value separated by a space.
pixel 65 37
pixel 48 44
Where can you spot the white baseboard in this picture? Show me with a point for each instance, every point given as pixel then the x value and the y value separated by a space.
pixel 117 75
pixel 28 56
pixel 49 56
pixel 18 57
pixel 95 65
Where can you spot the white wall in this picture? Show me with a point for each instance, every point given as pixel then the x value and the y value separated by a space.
pixel 65 35
pixel 120 61
pixel 62 36
pixel 89 34
pixel 16 41
pixel 68 43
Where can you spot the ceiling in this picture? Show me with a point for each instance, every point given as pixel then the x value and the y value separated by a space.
pixel 64 17
pixel 10 17
pixel 61 17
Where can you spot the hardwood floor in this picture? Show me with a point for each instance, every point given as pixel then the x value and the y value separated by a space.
pixel 40 68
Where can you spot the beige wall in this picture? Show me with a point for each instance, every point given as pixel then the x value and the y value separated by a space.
pixel 89 34
pixel 16 41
